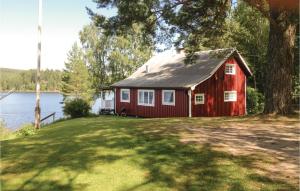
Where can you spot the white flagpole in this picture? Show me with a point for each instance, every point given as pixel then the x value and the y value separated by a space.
pixel 38 75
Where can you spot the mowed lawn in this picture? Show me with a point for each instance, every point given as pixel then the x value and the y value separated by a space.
pixel 128 154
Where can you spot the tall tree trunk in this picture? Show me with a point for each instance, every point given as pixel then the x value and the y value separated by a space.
pixel 278 96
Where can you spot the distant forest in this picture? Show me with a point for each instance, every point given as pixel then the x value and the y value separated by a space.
pixel 24 80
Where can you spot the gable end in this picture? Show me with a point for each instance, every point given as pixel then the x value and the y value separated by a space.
pixel 241 62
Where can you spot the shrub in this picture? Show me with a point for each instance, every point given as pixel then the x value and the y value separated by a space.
pixel 5 133
pixel 255 101
pixel 26 130
pixel 76 108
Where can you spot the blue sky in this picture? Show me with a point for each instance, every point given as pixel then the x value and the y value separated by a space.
pixel 62 21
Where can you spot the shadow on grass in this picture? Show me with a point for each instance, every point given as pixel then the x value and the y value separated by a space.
pixel 78 145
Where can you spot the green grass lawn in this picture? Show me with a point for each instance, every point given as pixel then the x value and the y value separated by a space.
pixel 124 154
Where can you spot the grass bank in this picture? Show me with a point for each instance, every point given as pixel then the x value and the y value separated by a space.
pixel 122 154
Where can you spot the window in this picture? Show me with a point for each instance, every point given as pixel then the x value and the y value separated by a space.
pixel 199 98
pixel 230 69
pixel 229 96
pixel 168 97
pixel 125 95
pixel 146 97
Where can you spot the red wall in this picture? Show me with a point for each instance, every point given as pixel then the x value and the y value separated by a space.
pixel 213 89
pixel 179 110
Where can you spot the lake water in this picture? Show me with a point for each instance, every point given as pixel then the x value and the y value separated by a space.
pixel 18 108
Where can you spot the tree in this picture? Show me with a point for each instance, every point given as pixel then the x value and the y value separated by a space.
pixel 296 85
pixel 127 53
pixel 198 21
pixel 248 32
pixel 24 80
pixel 112 57
pixel 280 66
pixel 95 47
pixel 76 82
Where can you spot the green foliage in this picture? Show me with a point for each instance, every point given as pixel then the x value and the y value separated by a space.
pixel 255 101
pixel 76 81
pixel 95 47
pixel 127 53
pixel 103 59
pixel 250 37
pixel 191 20
pixel 5 133
pixel 112 57
pixel 296 86
pixel 23 131
pixel 24 80
pixel 26 130
pixel 76 108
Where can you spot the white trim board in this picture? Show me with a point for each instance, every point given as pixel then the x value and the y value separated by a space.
pixel 145 104
pixel 121 98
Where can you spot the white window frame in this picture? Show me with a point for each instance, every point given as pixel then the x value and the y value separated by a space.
pixel 146 104
pixel 121 98
pixel 232 71
pixel 199 102
pixel 163 97
pixel 230 100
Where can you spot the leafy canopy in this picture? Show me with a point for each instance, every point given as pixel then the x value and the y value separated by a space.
pixel 112 57
pixel 189 20
pixel 76 81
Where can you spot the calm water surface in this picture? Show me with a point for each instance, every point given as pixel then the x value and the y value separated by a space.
pixel 18 108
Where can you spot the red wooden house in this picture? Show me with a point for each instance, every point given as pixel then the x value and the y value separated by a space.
pixel 215 85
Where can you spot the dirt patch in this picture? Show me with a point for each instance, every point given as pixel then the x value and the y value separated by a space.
pixel 273 142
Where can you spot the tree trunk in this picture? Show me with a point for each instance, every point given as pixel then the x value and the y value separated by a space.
pixel 278 96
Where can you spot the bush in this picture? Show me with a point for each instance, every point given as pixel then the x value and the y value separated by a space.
pixel 5 133
pixel 255 101
pixel 76 108
pixel 26 130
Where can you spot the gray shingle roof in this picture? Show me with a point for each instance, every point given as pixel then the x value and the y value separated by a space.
pixel 170 71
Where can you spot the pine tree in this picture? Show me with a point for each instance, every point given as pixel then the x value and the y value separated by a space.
pixel 76 82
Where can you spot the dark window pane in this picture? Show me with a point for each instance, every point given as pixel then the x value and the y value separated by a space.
pixel 150 97
pixel 146 97
pixel 125 95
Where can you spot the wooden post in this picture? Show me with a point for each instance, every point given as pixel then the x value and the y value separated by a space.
pixel 38 75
